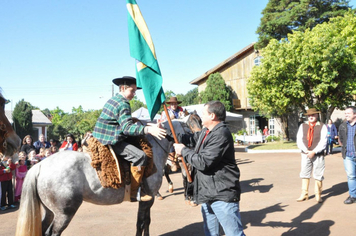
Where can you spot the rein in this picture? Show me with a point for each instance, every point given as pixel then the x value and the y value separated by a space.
pixel 3 135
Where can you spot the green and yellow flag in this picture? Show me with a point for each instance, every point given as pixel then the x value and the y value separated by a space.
pixel 148 74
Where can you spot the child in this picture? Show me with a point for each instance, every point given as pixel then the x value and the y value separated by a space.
pixel 21 170
pixel 41 154
pixel 54 149
pixel 47 153
pixel 32 158
pixel 6 167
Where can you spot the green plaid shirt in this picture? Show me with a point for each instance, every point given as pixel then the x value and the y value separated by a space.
pixel 115 122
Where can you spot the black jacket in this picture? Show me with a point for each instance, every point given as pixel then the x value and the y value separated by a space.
pixel 343 138
pixel 217 175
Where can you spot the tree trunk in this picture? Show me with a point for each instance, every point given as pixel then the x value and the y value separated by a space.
pixel 284 119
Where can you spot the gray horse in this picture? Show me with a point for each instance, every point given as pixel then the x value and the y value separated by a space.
pixel 60 184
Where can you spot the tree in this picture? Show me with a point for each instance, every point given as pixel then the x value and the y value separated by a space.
pixel 191 98
pixel 136 104
pixel 216 89
pixel 281 17
pixel 22 117
pixel 316 68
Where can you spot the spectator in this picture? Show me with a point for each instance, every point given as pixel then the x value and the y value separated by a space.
pixel 347 138
pixel 32 158
pixel 332 136
pixel 69 143
pixel 21 171
pixel 41 143
pixel 265 131
pixel 41 153
pixel 54 149
pixel 311 140
pixel 7 197
pixel 54 143
pixel 27 144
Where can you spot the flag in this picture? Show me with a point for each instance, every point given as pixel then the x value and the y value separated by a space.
pixel 148 74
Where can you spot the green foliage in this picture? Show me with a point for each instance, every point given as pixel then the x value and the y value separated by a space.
pixel 216 89
pixel 136 104
pixel 22 117
pixel 242 132
pixel 272 138
pixel 191 98
pixel 315 68
pixel 77 123
pixel 280 17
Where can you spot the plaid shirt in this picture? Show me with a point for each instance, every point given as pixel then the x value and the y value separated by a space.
pixel 115 122
pixel 350 148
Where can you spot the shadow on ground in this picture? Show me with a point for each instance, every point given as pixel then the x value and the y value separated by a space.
pixel 195 229
pixel 297 226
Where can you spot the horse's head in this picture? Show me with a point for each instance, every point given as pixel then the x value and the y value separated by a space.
pixel 9 141
pixel 194 122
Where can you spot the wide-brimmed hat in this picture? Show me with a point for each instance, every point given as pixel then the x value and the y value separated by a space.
pixel 173 99
pixel 311 111
pixel 125 80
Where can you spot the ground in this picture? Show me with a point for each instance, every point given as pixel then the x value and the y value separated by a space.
pixel 270 184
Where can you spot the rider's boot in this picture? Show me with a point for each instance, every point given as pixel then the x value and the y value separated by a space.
pixel 136 179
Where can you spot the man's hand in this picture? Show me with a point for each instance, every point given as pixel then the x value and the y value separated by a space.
pixel 310 154
pixel 156 131
pixel 178 148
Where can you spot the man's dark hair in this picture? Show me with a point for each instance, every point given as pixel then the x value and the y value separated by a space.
pixel 352 107
pixel 218 109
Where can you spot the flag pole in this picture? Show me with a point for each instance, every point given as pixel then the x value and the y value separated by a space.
pixel 189 178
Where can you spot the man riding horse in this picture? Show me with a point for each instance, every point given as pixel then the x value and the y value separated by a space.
pixel 115 124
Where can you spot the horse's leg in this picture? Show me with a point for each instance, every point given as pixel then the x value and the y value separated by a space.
pixel 61 221
pixel 144 218
pixel 166 174
pixel 47 219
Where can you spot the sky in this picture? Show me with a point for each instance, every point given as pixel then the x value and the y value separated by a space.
pixel 66 53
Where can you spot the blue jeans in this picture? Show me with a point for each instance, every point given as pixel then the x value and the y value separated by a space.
pixel 225 213
pixel 350 168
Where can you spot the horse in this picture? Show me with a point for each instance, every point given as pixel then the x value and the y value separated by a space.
pixel 60 183
pixel 9 141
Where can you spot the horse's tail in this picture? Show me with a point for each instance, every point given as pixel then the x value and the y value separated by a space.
pixel 29 219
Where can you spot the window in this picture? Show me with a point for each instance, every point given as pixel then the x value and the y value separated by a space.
pixel 257 61
pixel 271 126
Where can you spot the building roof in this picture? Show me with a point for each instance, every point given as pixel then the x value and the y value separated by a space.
pixel 222 64
pixel 38 118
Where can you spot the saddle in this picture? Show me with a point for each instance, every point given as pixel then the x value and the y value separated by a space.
pixel 113 171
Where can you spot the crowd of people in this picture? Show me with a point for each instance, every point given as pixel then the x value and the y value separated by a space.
pixel 12 175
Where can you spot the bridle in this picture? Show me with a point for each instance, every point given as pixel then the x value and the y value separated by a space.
pixel 3 136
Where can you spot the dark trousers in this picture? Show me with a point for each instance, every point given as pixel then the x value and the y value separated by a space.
pixel 130 153
pixel 6 189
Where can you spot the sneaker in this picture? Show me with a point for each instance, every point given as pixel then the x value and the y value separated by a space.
pixel 12 206
pixel 350 200
pixel 3 208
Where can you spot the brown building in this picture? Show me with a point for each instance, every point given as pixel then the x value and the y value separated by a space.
pixel 236 71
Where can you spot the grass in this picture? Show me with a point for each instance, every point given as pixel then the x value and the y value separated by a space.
pixel 274 146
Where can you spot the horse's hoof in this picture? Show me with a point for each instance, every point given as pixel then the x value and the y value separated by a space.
pixel 193 204
pixel 170 188
pixel 159 198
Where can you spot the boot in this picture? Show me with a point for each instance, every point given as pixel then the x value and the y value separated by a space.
pixel 305 187
pixel 318 190
pixel 136 179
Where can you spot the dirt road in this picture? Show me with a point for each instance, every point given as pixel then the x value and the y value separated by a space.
pixel 270 185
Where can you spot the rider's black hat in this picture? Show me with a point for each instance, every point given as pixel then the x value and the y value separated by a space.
pixel 125 80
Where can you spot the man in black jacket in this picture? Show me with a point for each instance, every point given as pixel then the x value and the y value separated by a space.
pixel 216 183
pixel 347 138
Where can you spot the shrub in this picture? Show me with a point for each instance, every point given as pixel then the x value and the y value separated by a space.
pixel 272 138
